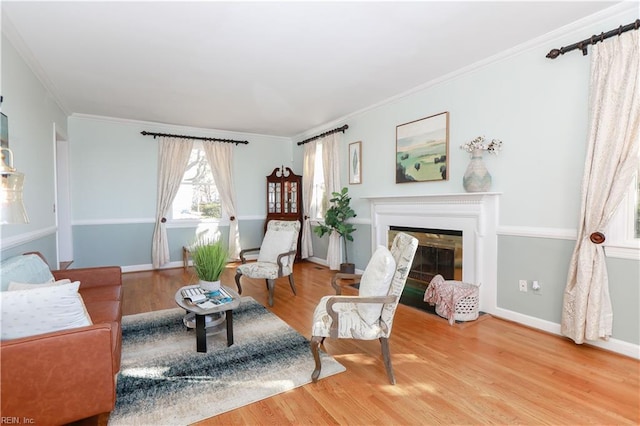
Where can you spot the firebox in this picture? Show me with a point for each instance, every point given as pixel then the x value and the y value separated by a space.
pixel 439 253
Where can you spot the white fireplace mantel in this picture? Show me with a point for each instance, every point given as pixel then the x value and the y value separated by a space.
pixel 475 214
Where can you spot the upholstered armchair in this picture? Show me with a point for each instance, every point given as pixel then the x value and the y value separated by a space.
pixel 276 256
pixel 369 315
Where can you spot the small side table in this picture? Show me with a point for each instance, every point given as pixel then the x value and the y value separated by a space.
pixel 219 315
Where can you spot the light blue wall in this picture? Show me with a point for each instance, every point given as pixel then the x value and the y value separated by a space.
pixel 113 170
pixel 538 107
pixel 542 259
pixel 547 261
pixel 45 245
pixel 32 114
pixel 113 188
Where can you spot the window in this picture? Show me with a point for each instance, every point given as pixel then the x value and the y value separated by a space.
pixel 623 235
pixel 320 202
pixel 198 196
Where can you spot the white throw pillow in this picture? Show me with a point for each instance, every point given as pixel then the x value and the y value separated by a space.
pixel 13 286
pixel 275 243
pixel 376 281
pixel 31 312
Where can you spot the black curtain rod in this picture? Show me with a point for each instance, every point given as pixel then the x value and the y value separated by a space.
pixel 322 135
pixel 155 135
pixel 582 45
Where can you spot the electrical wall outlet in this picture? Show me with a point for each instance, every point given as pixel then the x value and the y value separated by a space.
pixel 522 285
pixel 537 288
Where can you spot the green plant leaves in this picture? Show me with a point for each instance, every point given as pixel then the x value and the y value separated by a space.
pixel 337 215
pixel 209 259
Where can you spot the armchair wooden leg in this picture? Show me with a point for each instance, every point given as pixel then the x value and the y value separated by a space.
pixel 315 343
pixel 238 275
pixel 293 286
pixel 384 342
pixel 271 286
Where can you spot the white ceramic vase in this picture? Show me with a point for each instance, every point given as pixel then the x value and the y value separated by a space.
pixel 210 285
pixel 476 178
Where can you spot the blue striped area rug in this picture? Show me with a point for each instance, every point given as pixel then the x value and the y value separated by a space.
pixel 163 380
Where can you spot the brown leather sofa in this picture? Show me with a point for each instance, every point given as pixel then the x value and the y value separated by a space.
pixel 65 376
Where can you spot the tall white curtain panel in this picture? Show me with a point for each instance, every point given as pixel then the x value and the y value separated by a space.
pixel 220 158
pixel 331 168
pixel 611 162
pixel 308 176
pixel 172 161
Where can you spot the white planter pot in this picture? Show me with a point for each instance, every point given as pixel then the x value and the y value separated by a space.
pixel 210 285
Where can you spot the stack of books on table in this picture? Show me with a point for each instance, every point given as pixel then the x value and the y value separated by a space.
pixel 194 295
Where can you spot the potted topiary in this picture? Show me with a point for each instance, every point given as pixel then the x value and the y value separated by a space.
pixel 210 257
pixel 336 219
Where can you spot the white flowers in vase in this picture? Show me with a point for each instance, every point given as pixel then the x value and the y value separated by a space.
pixel 479 144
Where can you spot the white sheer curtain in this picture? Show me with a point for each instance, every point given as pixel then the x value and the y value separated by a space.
pixel 308 175
pixel 331 168
pixel 220 157
pixel 173 158
pixel 612 159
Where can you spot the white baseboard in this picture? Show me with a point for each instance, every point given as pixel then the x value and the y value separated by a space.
pixel 323 262
pixel 317 260
pixel 613 345
pixel 149 267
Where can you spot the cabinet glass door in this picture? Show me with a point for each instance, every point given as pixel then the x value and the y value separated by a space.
pixel 273 201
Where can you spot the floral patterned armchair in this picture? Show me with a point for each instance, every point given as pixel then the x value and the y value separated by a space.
pixel 369 315
pixel 276 256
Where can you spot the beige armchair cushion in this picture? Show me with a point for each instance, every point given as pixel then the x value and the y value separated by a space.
pixel 275 243
pixel 266 270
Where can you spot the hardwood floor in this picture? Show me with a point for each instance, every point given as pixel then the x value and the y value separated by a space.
pixel 489 371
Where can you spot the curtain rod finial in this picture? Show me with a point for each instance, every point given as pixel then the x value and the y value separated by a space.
pixel 554 53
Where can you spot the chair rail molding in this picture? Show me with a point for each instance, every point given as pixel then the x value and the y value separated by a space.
pixel 27 237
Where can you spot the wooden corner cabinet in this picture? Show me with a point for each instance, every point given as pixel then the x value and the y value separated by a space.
pixel 284 198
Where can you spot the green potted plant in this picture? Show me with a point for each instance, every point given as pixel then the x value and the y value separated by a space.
pixel 210 257
pixel 336 219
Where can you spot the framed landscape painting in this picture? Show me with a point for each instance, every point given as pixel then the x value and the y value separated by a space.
pixel 422 149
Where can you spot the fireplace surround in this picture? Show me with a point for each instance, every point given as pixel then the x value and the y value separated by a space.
pixel 473 214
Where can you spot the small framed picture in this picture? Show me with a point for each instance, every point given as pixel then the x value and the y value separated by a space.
pixel 422 149
pixel 355 163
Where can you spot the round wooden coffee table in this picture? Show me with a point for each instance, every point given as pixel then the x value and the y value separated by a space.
pixel 210 320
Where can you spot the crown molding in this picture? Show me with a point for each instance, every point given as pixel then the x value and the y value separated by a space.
pixel 559 35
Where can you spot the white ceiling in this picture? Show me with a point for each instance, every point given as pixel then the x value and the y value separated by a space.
pixel 275 68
